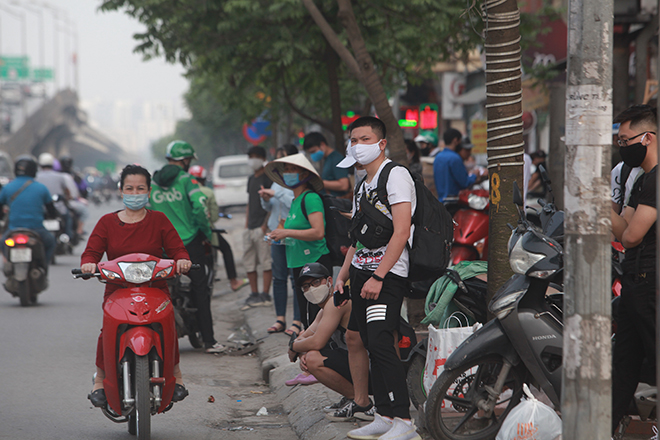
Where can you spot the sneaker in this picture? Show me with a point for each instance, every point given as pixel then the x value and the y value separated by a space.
pixel 373 430
pixel 266 300
pixel 215 348
pixel 655 433
pixel 335 406
pixel 348 411
pixel 254 300
pixel 401 430
pixel 367 415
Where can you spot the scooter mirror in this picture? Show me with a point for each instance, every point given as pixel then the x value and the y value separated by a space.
pixel 517 197
pixel 548 183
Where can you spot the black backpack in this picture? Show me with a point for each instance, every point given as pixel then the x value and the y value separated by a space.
pixel 434 228
pixel 336 225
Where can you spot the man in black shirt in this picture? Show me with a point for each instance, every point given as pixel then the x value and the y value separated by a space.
pixel 635 337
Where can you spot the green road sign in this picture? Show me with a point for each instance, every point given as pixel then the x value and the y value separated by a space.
pixel 13 68
pixel 106 165
pixel 42 74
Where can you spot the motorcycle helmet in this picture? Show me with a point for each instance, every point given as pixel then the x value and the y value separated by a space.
pixel 198 171
pixel 46 160
pixel 179 150
pixel 25 165
pixel 66 162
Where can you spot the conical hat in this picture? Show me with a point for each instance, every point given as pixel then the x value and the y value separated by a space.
pixel 275 169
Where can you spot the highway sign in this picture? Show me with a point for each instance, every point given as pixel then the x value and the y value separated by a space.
pixel 13 68
pixel 42 74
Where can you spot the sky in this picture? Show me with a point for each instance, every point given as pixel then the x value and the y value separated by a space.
pixel 108 68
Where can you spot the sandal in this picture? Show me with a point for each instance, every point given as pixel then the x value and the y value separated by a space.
pixel 278 327
pixel 290 331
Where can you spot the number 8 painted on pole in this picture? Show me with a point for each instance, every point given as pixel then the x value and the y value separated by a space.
pixel 495 195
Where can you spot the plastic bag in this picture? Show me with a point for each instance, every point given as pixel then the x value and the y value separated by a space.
pixel 442 343
pixel 531 419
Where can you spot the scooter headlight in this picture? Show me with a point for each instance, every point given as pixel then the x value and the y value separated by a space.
pixel 521 260
pixel 477 202
pixel 503 306
pixel 137 273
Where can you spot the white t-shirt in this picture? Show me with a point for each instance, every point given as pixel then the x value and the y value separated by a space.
pixel 615 177
pixel 400 189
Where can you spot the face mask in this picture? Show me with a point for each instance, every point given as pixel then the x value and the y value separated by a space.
pixel 317 156
pixel 366 153
pixel 317 295
pixel 633 155
pixel 291 179
pixel 135 202
pixel 360 174
pixel 255 163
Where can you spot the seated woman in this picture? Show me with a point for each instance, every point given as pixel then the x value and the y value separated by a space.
pixel 133 230
pixel 322 347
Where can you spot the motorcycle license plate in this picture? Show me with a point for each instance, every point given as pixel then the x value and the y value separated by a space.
pixel 20 255
pixel 52 225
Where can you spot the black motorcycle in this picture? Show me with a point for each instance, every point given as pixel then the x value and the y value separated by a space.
pixel 482 379
pixel 25 267
pixel 184 313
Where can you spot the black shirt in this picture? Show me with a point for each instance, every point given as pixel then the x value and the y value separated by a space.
pixel 256 214
pixel 641 258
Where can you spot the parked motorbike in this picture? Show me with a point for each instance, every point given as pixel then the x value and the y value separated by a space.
pixel 184 312
pixel 139 340
pixel 482 379
pixel 25 267
pixel 471 231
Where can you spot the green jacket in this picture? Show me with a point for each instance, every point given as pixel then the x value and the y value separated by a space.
pixel 177 195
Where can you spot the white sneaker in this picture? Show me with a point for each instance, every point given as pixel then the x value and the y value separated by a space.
pixel 373 430
pixel 655 433
pixel 401 430
pixel 216 348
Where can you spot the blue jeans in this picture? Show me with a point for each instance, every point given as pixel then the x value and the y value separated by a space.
pixel 280 273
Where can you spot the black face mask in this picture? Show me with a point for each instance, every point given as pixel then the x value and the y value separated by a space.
pixel 633 155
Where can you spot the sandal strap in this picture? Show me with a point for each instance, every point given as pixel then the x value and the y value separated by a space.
pixel 296 326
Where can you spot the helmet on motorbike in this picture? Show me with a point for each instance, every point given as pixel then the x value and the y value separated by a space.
pixel 179 150
pixel 46 160
pixel 25 165
pixel 66 163
pixel 198 171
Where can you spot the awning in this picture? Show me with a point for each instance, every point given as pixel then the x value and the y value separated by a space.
pixel 474 96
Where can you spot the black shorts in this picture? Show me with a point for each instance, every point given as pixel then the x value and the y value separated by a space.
pixel 337 360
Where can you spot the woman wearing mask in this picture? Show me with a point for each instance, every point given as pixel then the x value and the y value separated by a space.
pixel 133 230
pixel 277 200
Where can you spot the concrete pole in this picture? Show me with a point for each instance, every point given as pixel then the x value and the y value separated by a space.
pixel 587 373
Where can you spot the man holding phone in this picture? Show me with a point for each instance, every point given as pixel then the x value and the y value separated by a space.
pixel 322 347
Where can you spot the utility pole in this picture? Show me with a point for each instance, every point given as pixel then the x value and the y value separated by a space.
pixel 587 361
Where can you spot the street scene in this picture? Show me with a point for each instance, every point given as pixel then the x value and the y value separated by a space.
pixel 329 219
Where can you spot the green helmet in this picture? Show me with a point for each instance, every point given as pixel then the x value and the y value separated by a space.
pixel 179 150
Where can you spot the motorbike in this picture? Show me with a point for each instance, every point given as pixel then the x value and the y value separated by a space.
pixel 139 340
pixel 471 231
pixel 483 378
pixel 184 312
pixel 25 267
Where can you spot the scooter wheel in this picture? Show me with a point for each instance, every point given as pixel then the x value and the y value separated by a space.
pixel 24 293
pixel 415 380
pixel 193 337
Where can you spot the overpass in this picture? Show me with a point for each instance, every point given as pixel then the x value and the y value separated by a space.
pixel 60 127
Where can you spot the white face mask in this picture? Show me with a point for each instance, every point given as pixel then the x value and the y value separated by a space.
pixel 316 295
pixel 366 153
pixel 255 163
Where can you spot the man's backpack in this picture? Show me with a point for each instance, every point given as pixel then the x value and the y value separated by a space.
pixel 336 225
pixel 434 228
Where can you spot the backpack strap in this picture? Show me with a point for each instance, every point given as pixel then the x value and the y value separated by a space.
pixel 20 190
pixel 302 204
pixel 381 187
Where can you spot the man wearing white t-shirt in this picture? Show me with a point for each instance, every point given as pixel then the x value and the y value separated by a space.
pixel 378 280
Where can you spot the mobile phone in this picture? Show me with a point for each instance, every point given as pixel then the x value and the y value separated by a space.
pixel 341 297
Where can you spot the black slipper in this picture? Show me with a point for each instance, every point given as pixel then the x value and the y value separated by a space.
pixel 98 398
pixel 180 393
pixel 275 328
pixel 289 332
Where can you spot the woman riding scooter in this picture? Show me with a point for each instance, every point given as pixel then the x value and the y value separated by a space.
pixel 133 230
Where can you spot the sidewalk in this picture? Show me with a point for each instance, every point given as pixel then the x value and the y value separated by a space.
pixel 303 403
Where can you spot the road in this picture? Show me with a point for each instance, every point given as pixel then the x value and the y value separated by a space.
pixel 47 362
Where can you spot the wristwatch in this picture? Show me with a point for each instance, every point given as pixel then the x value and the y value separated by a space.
pixel 377 278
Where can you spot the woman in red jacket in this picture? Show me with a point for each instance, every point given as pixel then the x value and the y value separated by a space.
pixel 135 229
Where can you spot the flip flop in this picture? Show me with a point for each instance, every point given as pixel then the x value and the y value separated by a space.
pixel 275 328
pixel 289 332
pixel 244 282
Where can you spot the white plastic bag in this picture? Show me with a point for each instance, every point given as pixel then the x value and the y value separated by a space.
pixel 442 343
pixel 530 420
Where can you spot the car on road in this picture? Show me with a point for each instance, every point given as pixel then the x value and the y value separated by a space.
pixel 230 176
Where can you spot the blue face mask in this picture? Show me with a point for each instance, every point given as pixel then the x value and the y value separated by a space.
pixel 135 202
pixel 291 179
pixel 317 156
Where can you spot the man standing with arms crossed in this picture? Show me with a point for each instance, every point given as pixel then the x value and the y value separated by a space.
pixel 378 280
pixel 177 194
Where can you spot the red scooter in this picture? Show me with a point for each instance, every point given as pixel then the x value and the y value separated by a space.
pixel 471 230
pixel 139 340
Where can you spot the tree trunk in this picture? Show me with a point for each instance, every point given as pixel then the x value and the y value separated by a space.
pixel 505 132
pixel 362 66
pixel 331 62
